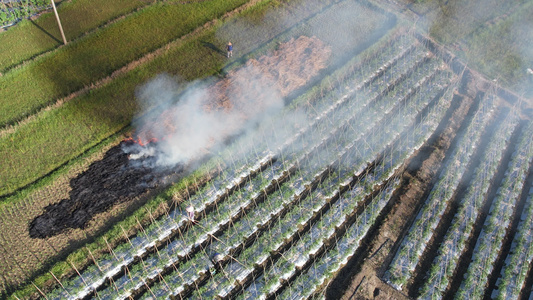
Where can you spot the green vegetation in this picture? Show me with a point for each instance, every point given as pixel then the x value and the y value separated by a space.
pixel 57 136
pixel 26 90
pixel 31 38
pixel 11 12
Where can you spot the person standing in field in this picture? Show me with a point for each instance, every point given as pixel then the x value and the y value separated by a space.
pixel 229 47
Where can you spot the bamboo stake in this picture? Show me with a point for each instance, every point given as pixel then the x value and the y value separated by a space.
pixel 94 260
pixel 125 235
pixel 59 22
pixel 76 269
pixel 110 249
pixel 60 283
pixel 41 292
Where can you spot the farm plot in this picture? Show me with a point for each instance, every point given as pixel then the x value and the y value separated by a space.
pixel 414 244
pixel 291 193
pixel 470 206
pixel 496 225
pixel 500 169
pixel 519 259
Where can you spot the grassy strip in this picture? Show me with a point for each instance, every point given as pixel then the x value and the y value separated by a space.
pixel 453 20
pixel 26 90
pixel 31 38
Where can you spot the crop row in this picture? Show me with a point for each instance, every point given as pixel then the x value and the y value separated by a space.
pixel 469 207
pixel 231 214
pixel 143 246
pixel 404 263
pixel 330 263
pixel 326 155
pixel 313 168
pixel 139 246
pixel 211 195
pixel 496 225
pixel 287 191
pixel 516 268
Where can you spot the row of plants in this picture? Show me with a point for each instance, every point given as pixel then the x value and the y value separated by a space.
pixel 31 38
pixel 470 206
pixel 348 154
pixel 516 268
pixel 324 230
pixel 368 109
pixel 496 225
pixel 207 190
pixel 323 269
pixel 187 244
pixel 441 112
pixel 316 206
pixel 224 281
pixel 365 74
pixel 349 105
pixel 253 258
pixel 412 247
pixel 160 230
pixel 382 172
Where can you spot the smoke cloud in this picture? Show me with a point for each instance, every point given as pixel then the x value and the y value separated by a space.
pixel 184 127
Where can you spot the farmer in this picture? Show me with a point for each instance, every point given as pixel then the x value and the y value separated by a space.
pixel 190 213
pixel 229 47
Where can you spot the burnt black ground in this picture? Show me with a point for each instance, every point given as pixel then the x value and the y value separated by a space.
pixel 113 179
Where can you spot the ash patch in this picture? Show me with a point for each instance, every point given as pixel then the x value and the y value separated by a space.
pixel 112 180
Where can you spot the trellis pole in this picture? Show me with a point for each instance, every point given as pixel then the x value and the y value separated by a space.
pixel 59 22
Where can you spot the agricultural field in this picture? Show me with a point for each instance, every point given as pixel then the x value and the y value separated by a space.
pixel 348 149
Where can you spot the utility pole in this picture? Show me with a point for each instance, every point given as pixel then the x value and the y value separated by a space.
pixel 59 22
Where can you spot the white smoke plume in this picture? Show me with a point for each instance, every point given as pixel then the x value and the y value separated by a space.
pixel 202 116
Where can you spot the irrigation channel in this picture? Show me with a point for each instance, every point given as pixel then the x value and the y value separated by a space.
pixel 291 205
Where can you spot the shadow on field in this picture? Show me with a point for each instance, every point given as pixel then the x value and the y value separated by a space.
pixel 45 32
pixel 214 48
